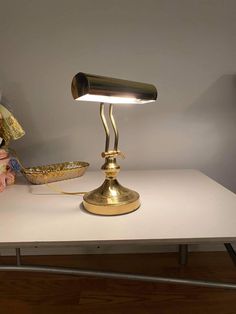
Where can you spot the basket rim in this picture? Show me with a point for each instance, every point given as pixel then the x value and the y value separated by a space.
pixel 37 170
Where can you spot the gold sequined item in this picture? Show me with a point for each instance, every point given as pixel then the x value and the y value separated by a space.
pixel 10 129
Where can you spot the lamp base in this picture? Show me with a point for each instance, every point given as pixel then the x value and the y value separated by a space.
pixel 111 199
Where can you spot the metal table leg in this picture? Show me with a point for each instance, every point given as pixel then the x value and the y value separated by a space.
pixel 183 254
pixel 18 257
pixel 231 252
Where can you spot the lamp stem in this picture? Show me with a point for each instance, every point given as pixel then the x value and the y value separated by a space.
pixel 104 122
pixel 114 127
pixel 111 198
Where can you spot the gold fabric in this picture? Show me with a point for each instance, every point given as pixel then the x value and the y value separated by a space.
pixel 10 129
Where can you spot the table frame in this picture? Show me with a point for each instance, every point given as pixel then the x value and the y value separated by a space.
pixel 183 257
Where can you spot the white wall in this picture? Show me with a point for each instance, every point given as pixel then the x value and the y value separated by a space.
pixel 187 48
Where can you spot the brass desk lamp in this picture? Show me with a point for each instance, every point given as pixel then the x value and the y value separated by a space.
pixel 111 198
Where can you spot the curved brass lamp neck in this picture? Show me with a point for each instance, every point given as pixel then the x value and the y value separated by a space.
pixel 106 128
pixel 110 166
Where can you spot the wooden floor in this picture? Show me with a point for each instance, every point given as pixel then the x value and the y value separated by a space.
pixel 34 293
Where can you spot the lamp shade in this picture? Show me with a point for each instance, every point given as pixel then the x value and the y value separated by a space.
pixel 90 87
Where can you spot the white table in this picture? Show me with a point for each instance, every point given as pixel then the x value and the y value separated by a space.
pixel 178 206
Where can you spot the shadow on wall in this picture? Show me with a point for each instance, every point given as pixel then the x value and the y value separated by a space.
pixel 47 140
pixel 213 129
pixel 14 99
pixel 199 135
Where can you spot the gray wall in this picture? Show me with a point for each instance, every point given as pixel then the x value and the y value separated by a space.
pixel 187 48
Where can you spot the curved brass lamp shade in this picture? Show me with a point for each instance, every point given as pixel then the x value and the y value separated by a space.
pixel 90 87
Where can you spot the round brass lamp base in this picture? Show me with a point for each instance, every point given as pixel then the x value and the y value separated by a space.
pixel 111 199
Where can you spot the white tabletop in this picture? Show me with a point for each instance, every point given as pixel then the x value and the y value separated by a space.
pixel 178 206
